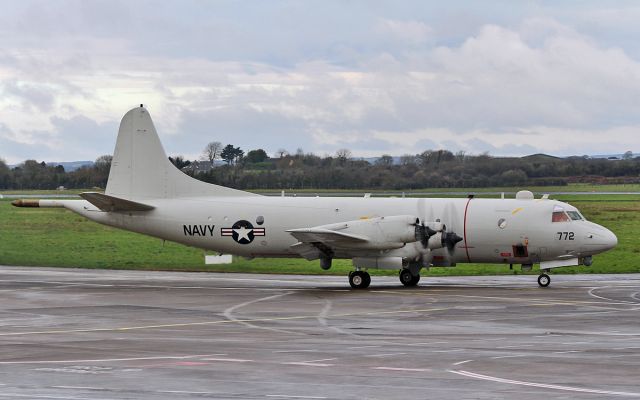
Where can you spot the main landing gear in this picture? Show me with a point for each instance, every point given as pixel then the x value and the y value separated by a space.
pixel 544 280
pixel 407 278
pixel 359 279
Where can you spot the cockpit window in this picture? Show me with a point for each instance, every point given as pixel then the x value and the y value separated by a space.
pixel 574 215
pixel 559 215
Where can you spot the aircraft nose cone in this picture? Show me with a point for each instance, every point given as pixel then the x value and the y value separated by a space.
pixel 610 240
pixel 600 239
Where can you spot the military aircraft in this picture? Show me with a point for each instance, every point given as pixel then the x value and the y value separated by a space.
pixel 147 194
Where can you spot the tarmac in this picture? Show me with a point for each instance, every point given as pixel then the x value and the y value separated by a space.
pixel 104 334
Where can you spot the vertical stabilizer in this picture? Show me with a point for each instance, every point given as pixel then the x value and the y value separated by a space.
pixel 141 170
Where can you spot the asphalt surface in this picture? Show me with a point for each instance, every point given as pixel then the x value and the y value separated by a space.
pixel 95 334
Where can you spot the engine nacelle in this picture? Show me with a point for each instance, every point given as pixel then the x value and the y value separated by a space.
pixel 382 233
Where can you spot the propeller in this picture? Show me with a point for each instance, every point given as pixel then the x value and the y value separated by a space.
pixel 424 233
pixel 449 240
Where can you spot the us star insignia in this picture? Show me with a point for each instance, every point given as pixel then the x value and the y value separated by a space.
pixel 243 232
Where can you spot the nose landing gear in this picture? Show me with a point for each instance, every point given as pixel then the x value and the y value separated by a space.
pixel 544 280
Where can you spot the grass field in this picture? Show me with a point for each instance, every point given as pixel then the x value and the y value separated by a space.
pixel 59 238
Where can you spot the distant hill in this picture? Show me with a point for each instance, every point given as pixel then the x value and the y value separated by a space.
pixel 68 165
pixel 72 165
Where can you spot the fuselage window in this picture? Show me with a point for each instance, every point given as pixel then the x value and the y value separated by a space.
pixel 560 216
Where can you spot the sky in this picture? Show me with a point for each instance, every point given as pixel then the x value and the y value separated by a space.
pixel 376 77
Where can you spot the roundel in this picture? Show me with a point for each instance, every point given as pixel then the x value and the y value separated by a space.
pixel 243 232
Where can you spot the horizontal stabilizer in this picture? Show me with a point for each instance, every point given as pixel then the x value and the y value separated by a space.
pixel 310 235
pixel 110 203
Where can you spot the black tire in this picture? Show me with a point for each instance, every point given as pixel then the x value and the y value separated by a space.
pixel 407 278
pixel 359 280
pixel 367 278
pixel 544 280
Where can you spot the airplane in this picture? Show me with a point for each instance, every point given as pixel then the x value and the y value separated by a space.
pixel 147 194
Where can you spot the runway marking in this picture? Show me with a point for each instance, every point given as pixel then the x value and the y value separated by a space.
pixel 238 360
pixel 425 343
pixel 568 351
pixel 385 355
pixel 79 387
pixel 363 347
pixel 182 392
pixel 540 385
pixel 590 292
pixel 228 313
pixel 224 321
pixel 284 396
pixel 296 351
pixel 447 351
pixel 462 362
pixel 41 396
pixel 323 359
pixel 324 315
pixel 511 356
pixel 402 369
pixel 105 360
pixel 308 364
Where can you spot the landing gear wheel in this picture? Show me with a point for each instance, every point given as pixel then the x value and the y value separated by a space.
pixel 408 279
pixel 544 280
pixel 359 279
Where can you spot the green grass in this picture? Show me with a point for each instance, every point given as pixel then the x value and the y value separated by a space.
pixel 59 238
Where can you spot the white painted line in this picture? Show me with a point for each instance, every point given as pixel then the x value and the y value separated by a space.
pixel 425 343
pixel 239 360
pixel 308 364
pixel 541 385
pixel 228 313
pixel 363 347
pixel 79 387
pixel 104 360
pixel 512 356
pixel 568 351
pixel 284 396
pixel 316 361
pixel 612 301
pixel 182 392
pixel 402 369
pixel 462 362
pixel 385 355
pixel 296 351
pixel 447 351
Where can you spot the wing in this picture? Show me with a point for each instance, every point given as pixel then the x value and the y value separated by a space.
pixel 326 236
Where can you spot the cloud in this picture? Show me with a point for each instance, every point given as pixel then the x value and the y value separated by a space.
pixel 376 78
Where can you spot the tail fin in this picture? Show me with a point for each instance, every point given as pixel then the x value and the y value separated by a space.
pixel 140 168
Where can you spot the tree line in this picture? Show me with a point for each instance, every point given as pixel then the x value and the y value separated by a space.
pixel 299 170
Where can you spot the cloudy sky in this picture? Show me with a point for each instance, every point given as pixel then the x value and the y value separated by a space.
pixel 396 77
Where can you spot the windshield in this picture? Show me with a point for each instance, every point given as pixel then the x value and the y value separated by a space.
pixel 574 215
pixel 559 215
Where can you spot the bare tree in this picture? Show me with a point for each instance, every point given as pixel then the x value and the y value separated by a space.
pixel 282 152
pixel 385 160
pixel 408 159
pixel 103 163
pixel 212 151
pixel 343 154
